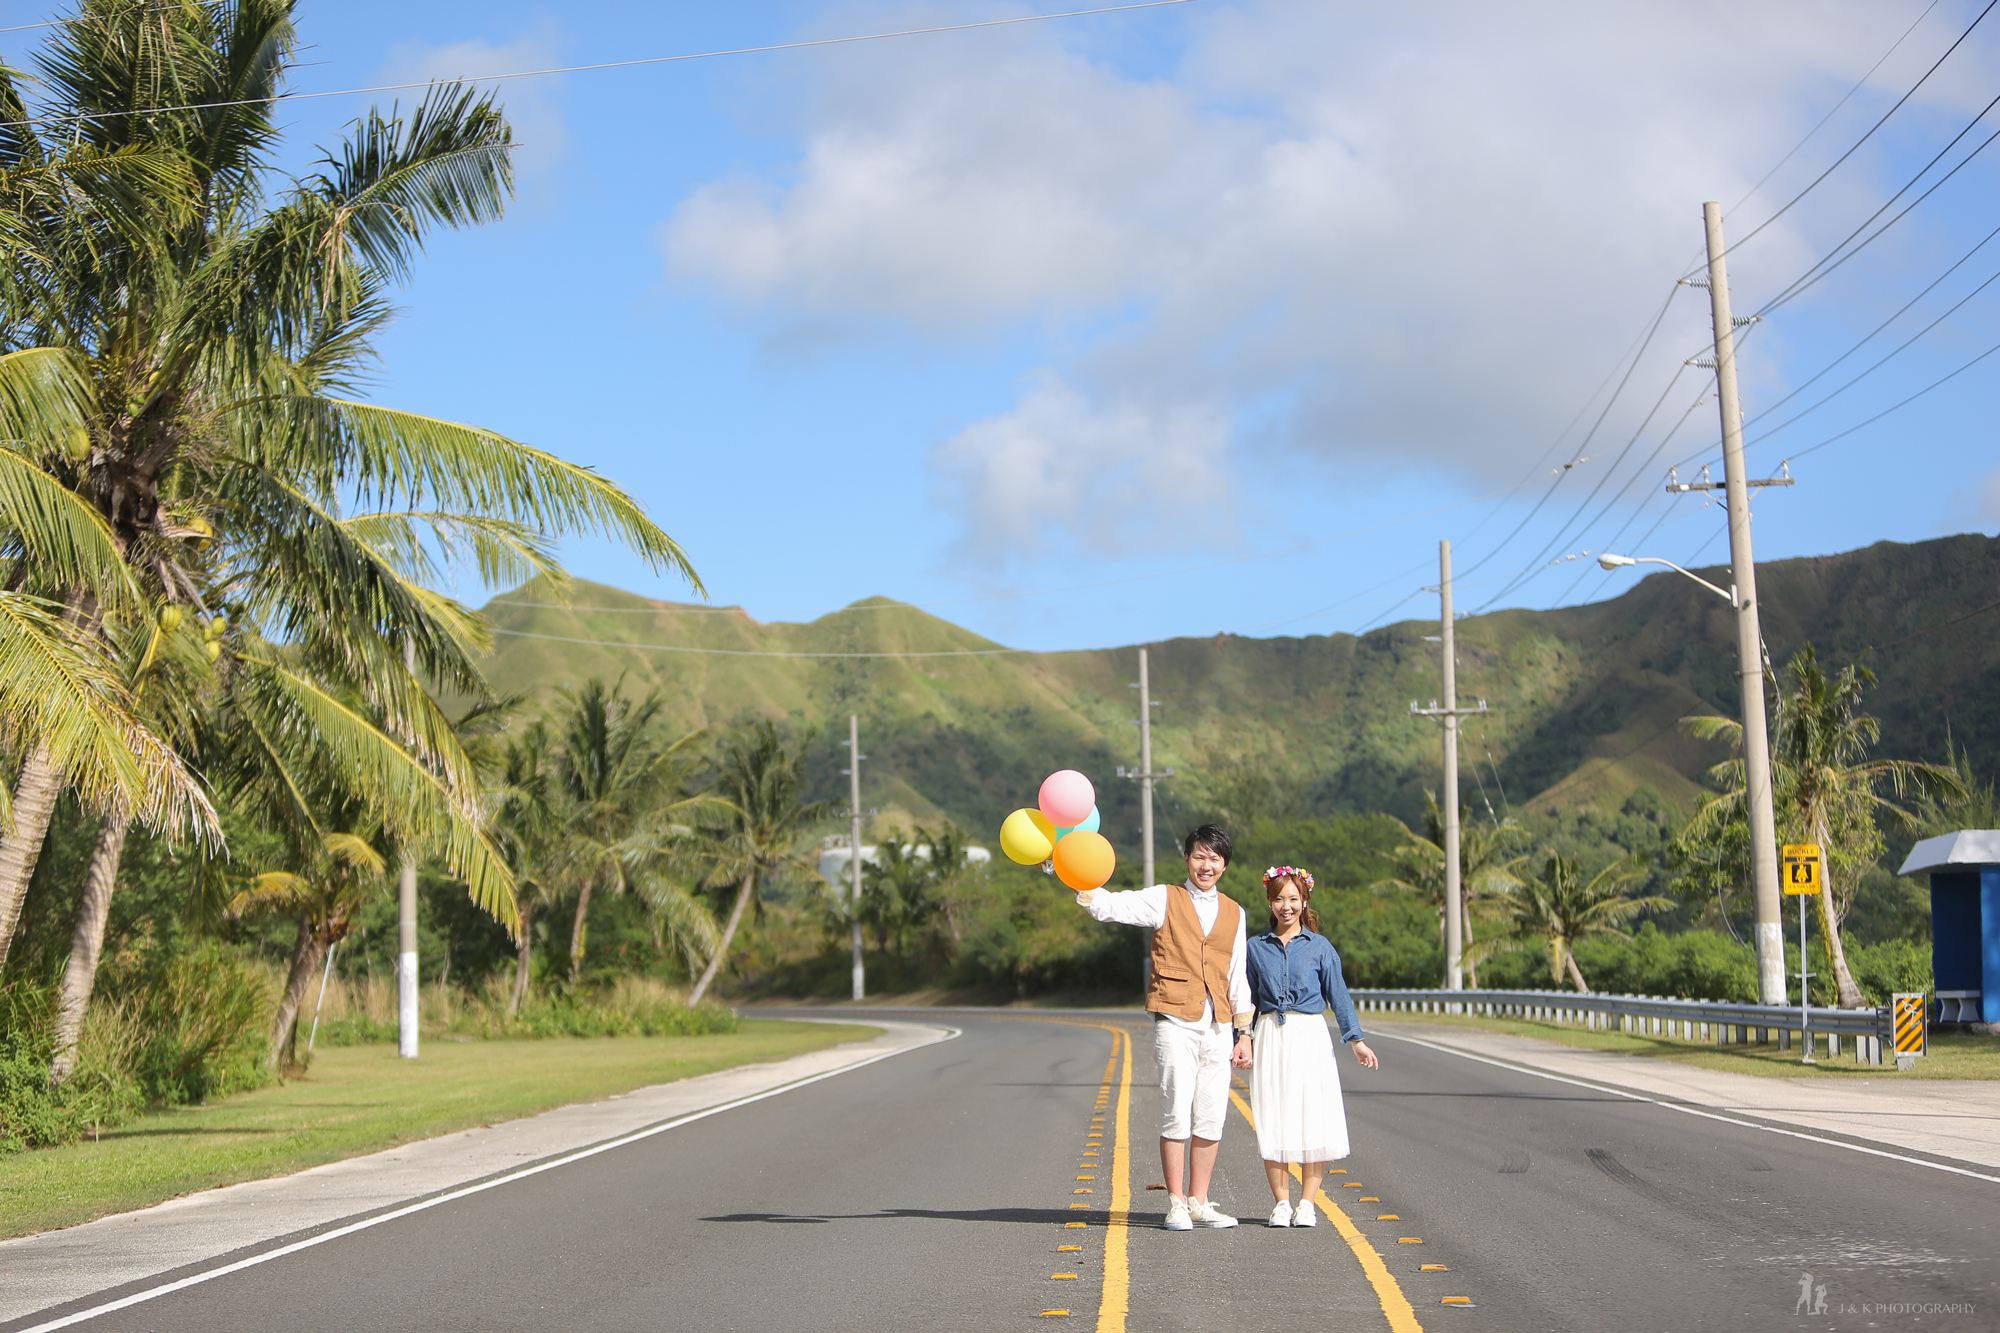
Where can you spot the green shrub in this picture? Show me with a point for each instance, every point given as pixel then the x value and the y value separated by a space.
pixel 33 1112
pixel 350 1030
pixel 200 1022
pixel 1881 970
pixel 566 1016
pixel 1696 965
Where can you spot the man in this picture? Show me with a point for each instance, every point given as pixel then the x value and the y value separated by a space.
pixel 1198 994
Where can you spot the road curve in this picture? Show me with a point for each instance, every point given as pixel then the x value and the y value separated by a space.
pixel 938 1189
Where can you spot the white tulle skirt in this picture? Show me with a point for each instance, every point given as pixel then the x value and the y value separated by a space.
pixel 1295 1090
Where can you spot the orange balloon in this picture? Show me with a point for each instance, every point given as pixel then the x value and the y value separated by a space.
pixel 1084 860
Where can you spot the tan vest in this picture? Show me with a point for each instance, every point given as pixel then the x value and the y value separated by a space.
pixel 1189 967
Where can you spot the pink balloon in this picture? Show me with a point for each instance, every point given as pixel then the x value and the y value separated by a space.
pixel 1067 798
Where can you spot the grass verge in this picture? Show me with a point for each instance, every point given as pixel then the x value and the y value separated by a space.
pixel 361 1099
pixel 1951 1056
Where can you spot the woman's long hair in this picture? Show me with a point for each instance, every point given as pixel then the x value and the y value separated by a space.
pixel 1307 918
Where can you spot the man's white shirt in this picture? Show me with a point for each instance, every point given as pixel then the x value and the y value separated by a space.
pixel 1148 907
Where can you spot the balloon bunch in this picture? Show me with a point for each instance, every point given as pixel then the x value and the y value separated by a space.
pixel 1062 835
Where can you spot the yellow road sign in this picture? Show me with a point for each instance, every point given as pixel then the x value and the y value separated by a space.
pixel 1908 1012
pixel 1805 867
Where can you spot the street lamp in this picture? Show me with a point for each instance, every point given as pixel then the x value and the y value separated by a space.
pixel 1756 765
pixel 1609 562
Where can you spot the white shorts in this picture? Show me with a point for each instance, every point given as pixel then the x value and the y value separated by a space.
pixel 1194 1078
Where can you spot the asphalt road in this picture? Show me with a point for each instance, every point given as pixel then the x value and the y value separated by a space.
pixel 937 1190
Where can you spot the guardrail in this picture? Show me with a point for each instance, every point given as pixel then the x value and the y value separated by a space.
pixel 1714 1021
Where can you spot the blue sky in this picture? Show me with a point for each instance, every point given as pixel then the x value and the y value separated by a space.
pixel 964 317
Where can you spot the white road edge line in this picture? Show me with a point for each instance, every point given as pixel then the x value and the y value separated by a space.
pixel 1678 1106
pixel 181 1284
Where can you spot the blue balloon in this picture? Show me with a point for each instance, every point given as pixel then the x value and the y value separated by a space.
pixel 1088 826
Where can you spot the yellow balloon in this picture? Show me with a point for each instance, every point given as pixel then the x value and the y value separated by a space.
pixel 1027 837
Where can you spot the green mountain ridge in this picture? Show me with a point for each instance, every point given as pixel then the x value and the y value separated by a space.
pixel 1585 701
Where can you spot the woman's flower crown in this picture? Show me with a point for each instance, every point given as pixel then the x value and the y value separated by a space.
pixel 1279 872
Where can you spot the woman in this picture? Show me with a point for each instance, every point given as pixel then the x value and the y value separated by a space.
pixel 1295 1092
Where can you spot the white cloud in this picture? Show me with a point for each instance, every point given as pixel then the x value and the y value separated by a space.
pixel 1103 476
pixel 1422 234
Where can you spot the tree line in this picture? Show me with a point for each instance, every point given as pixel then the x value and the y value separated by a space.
pixel 220 621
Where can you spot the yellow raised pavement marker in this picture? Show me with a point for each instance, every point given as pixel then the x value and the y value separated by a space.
pixel 1396 1307
pixel 1387 1217
pixel 1077 1224
pixel 1047 1313
pixel 1409 1240
pixel 1061 1248
pixel 1060 1277
pixel 1369 1198
pixel 1432 1268
pixel 1455 1300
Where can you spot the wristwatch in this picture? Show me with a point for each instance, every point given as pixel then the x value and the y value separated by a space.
pixel 1243 1034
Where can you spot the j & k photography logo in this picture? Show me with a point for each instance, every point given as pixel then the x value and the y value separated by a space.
pixel 1813 1299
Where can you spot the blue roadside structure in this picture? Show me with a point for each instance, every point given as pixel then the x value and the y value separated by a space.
pixel 1965 921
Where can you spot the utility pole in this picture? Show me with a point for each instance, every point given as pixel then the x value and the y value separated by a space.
pixel 406 931
pixel 1144 772
pixel 1454 891
pixel 1749 633
pixel 1146 777
pixel 854 842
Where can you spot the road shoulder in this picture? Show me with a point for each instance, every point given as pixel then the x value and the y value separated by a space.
pixel 55 1267
pixel 1957 1119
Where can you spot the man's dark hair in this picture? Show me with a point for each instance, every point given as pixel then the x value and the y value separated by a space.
pixel 1210 836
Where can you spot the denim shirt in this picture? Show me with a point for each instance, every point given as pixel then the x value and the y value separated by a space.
pixel 1302 978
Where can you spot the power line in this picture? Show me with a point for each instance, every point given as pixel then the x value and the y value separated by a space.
pixel 1878 365
pixel 1747 196
pixel 1636 356
pixel 1856 147
pixel 602 65
pixel 749 652
pixel 1813 276
pixel 57 23
pixel 1827 369
pixel 1935 384
pixel 1602 481
pixel 1897 46
pixel 1033 592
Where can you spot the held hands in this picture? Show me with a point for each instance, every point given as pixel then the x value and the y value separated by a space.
pixel 1368 1058
pixel 1240 1056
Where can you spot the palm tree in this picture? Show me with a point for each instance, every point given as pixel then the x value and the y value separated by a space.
pixel 63 703
pixel 1487 874
pixel 326 887
pixel 194 349
pixel 762 779
pixel 169 674
pixel 621 808
pixel 1556 909
pixel 525 826
pixel 1824 790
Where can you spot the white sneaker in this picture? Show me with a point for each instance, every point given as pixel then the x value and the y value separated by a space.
pixel 1206 1214
pixel 1281 1216
pixel 1304 1216
pixel 1178 1218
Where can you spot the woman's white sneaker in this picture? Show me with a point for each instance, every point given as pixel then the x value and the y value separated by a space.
pixel 1304 1215
pixel 1281 1216
pixel 1206 1214
pixel 1178 1218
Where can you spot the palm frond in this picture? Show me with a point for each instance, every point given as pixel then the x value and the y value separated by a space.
pixel 57 691
pixel 412 802
pixel 397 459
